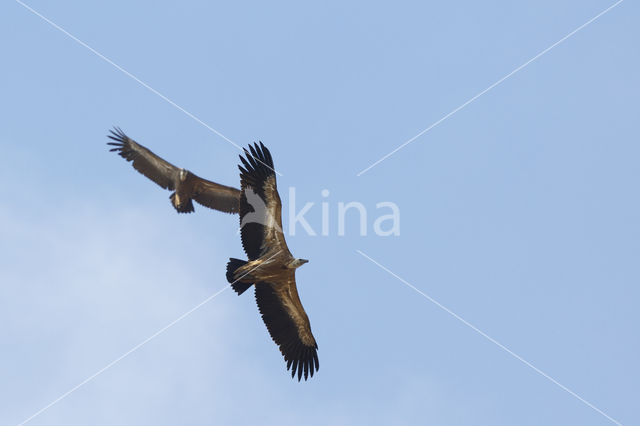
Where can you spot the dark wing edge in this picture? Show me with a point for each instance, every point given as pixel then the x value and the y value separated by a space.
pixel 143 160
pixel 258 167
pixel 257 175
pixel 289 328
pixel 215 196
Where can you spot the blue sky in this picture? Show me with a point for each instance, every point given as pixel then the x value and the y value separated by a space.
pixel 519 213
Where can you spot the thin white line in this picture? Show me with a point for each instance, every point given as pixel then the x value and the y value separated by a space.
pixel 138 346
pixel 491 339
pixel 489 88
pixel 120 358
pixel 128 74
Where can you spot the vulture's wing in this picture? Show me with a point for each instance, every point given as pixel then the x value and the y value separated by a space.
pixel 260 206
pixel 146 162
pixel 288 326
pixel 209 194
pixel 216 196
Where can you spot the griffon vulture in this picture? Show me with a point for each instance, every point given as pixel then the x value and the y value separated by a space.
pixel 186 185
pixel 271 267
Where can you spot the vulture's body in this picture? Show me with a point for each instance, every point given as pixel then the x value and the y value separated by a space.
pixel 186 185
pixel 271 267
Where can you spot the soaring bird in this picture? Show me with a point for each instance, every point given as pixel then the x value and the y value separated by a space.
pixel 186 185
pixel 271 267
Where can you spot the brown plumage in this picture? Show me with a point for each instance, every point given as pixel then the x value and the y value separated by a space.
pixel 271 267
pixel 186 185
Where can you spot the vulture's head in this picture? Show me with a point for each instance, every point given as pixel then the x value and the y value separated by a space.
pixel 296 263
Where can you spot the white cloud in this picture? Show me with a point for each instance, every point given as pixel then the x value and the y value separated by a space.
pixel 83 287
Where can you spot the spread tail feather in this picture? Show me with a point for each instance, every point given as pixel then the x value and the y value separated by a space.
pixel 232 266
pixel 181 205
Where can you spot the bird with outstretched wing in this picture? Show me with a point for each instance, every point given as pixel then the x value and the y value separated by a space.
pixel 186 185
pixel 271 267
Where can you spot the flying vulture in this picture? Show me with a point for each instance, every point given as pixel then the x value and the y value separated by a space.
pixel 186 185
pixel 271 267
